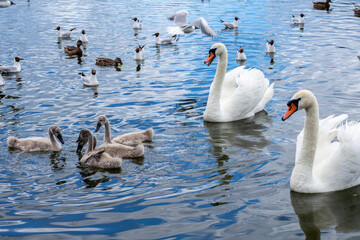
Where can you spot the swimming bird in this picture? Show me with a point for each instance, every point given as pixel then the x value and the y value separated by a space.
pixel 71 50
pixel 300 20
pixel 38 144
pixel 139 53
pixel 14 68
pixel 128 138
pixel 357 12
pixel 322 5
pixel 231 25
pixel 241 56
pixel 321 163
pixel 94 157
pixel 270 47
pixel 166 40
pixel 182 25
pixel 137 23
pixel 108 62
pixel 83 37
pixel 6 3
pixel 91 80
pixel 237 94
pixel 64 34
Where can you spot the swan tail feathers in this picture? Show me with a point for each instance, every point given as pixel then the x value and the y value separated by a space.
pixel 11 141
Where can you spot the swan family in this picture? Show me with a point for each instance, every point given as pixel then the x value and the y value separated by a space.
pixel 233 95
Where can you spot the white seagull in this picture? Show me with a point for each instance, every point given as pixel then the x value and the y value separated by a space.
pixel 182 25
pixel 299 20
pixel 137 23
pixel 241 56
pixel 166 40
pixel 231 25
pixel 83 37
pixel 139 53
pixel 270 47
pixel 14 68
pixel 6 3
pixel 64 34
pixel 90 81
pixel 2 82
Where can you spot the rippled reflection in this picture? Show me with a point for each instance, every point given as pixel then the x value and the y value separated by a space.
pixel 317 212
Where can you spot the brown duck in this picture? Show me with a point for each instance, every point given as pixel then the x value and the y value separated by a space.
pixel 322 5
pixel 108 62
pixel 357 12
pixel 71 50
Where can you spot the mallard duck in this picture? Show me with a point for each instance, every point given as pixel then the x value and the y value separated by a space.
pixel 108 62
pixel 71 50
pixel 322 5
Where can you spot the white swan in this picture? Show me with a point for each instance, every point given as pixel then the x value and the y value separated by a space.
pixel 6 3
pixel 231 25
pixel 38 144
pixel 270 47
pixel 237 94
pixel 94 157
pixel 300 20
pixel 62 34
pixel 137 23
pixel 132 138
pixel 83 37
pixel 165 41
pixel 240 55
pixel 139 53
pixel 91 80
pixel 14 68
pixel 322 164
pixel 182 25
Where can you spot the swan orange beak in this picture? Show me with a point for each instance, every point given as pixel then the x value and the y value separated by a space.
pixel 292 108
pixel 210 58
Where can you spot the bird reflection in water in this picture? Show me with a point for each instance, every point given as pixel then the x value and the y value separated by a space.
pixel 94 90
pixel 322 211
pixel 57 163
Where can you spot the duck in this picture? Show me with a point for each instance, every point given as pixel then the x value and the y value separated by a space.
pixel 139 53
pixel 6 3
pixel 94 157
pixel 238 94
pixel 182 25
pixel 270 47
pixel 83 37
pixel 108 62
pixel 357 12
pixel 128 138
pixel 231 25
pixel 137 23
pixel 14 68
pixel 300 20
pixel 322 5
pixel 64 34
pixel 71 50
pixel 323 164
pixel 241 56
pixel 38 144
pixel 166 40
pixel 91 80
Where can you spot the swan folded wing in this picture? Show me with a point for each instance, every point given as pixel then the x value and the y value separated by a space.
pixel 251 87
pixel 204 26
pixel 343 166
pixel 35 144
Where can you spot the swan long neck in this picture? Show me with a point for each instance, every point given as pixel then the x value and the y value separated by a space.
pixel 53 140
pixel 90 146
pixel 107 138
pixel 304 164
pixel 216 86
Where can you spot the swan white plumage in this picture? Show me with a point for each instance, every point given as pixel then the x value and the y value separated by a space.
pixel 237 94
pixel 322 164
pixel 300 20
pixel 182 26
pixel 240 55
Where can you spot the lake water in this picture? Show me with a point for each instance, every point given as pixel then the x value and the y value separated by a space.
pixel 197 180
